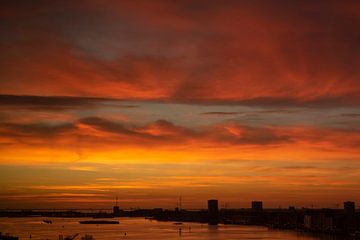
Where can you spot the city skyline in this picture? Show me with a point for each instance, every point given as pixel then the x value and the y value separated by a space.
pixel 152 100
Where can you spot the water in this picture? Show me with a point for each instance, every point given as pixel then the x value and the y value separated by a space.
pixel 141 229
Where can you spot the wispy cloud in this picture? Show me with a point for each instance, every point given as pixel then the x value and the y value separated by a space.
pixel 187 54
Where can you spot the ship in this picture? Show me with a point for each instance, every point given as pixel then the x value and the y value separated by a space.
pixel 47 221
pixel 99 222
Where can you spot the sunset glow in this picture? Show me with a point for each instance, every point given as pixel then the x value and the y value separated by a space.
pixel 152 100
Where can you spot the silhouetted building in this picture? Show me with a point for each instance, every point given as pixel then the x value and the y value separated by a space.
pixel 213 212
pixel 116 209
pixel 319 222
pixel 257 205
pixel 349 207
pixel 8 237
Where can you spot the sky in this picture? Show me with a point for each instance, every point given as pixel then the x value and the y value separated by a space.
pixel 151 100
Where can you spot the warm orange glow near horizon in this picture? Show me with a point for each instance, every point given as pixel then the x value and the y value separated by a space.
pixel 150 100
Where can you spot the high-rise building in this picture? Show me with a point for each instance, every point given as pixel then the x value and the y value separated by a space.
pixel 213 212
pixel 257 205
pixel 116 209
pixel 349 207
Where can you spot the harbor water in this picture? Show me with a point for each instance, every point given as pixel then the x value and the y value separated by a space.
pixel 139 228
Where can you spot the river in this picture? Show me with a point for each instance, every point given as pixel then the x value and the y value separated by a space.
pixel 141 229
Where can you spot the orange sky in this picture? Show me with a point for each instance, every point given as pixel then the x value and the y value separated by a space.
pixel 150 100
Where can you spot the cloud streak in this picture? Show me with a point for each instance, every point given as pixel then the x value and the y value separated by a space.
pixel 251 53
pixel 57 103
pixel 206 86
pixel 100 134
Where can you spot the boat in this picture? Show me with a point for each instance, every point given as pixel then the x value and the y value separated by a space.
pixel 47 221
pixel 99 222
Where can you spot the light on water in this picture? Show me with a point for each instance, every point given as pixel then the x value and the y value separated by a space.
pixel 139 228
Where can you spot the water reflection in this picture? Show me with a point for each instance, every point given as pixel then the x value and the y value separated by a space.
pixel 138 228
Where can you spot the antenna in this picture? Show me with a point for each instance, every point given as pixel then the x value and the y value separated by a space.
pixel 180 203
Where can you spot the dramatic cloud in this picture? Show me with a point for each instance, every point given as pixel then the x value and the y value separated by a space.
pixel 244 52
pixel 221 113
pixel 56 102
pixel 98 133
pixel 152 99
